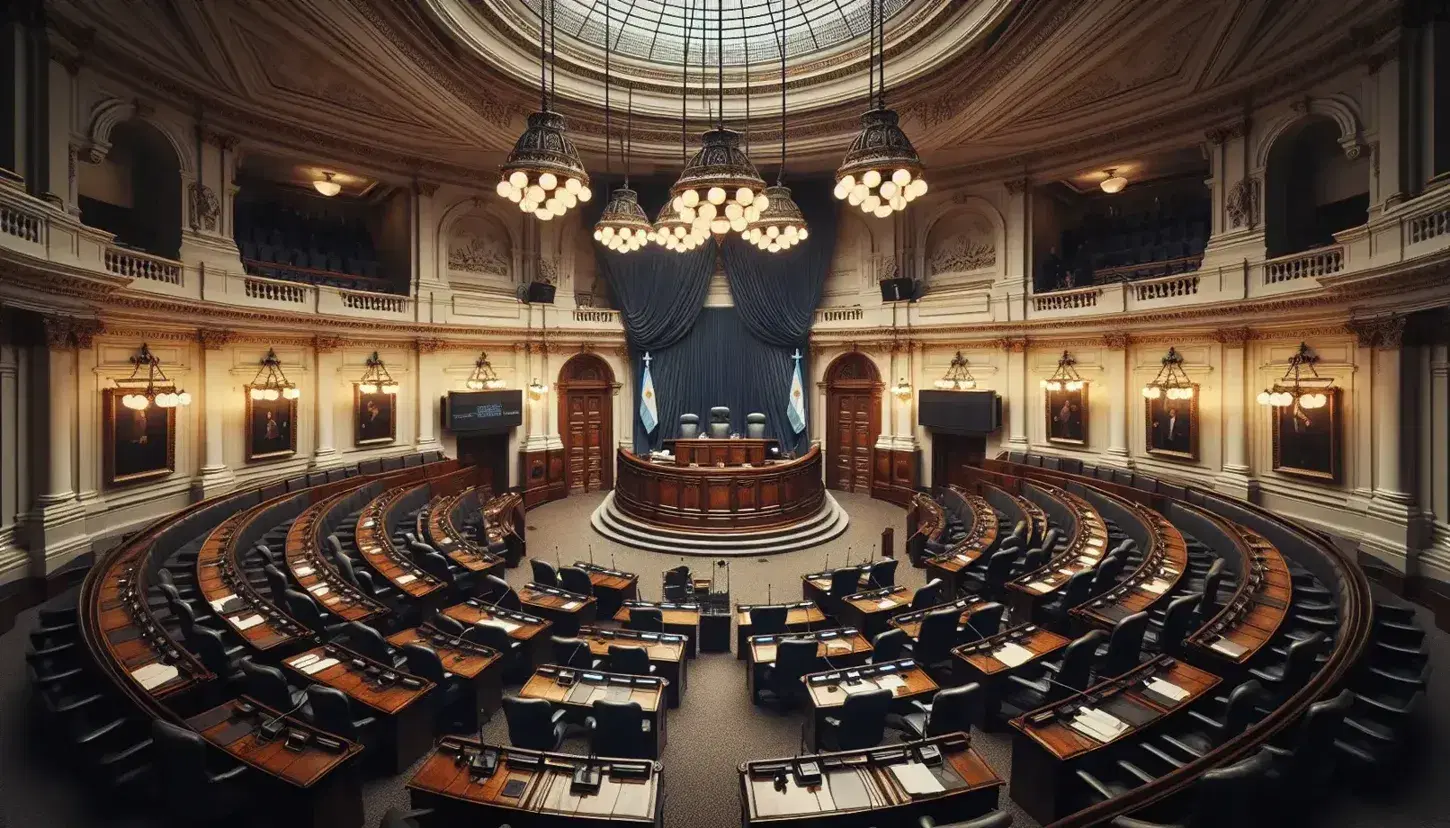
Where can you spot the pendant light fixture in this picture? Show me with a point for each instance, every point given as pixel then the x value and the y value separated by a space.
pixel 671 231
pixel 1301 385
pixel 623 226
pixel 483 376
pixel 270 383
pixel 1065 378
pixel 148 384
pixel 781 225
pixel 958 376
pixel 881 172
pixel 375 378
pixel 543 174
pixel 720 191
pixel 1172 382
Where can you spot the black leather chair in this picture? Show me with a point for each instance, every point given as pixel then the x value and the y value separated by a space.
pixel 213 652
pixel 399 818
pixel 936 637
pixel 630 660
pixel 544 572
pixel 1197 733
pixel 1284 678
pixel 619 729
pixel 516 662
pixel 780 682
pixel 269 686
pixel 720 422
pixel 1166 636
pixel 678 584
pixel 768 620
pixel 646 619
pixel 928 595
pixel 1304 765
pixel 332 712
pixel 996 819
pixel 689 426
pixel 346 570
pixel 534 723
pixel 497 591
pixel 1075 593
pixel 1072 672
pixel 951 710
pixel 991 580
pixel 889 646
pixel 882 573
pixel 1221 797
pixel 305 611
pixel 861 724
pixel 571 652
pixel 845 581
pixel 447 625
pixel 755 425
pixel 195 791
pixel 576 581
pixel 276 582
pixel 985 622
pixel 454 706
pixel 1125 647
pixel 366 641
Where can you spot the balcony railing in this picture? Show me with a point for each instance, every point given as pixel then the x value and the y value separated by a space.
pixel 373 302
pixel 840 315
pixel 595 315
pixel 136 265
pixel 1067 299
pixel 275 291
pixel 1167 287
pixel 1324 261
pixel 21 224
pixel 1428 226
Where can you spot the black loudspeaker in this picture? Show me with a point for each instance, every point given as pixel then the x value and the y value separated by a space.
pixel 540 292
pixel 897 290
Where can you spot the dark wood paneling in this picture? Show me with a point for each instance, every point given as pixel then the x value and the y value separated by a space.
pixel 894 475
pixel 541 474
pixel 708 497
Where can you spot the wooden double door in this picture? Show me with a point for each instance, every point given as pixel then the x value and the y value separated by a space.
pixel 586 423
pixel 853 414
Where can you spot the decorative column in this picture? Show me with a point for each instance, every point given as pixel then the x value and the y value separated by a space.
pixel 1009 296
pixel 1016 348
pixel 1237 229
pixel 12 556
pixel 88 406
pixel 207 244
pixel 1235 477
pixel 427 371
pixel 216 477
pixel 624 401
pixel 1115 364
pixel 56 524
pixel 325 367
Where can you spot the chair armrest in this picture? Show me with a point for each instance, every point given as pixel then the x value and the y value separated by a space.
pixel 1035 686
pixel 1129 822
pixel 924 707
pixel 831 721
pixel 559 714
pixel 1093 782
pixel 227 776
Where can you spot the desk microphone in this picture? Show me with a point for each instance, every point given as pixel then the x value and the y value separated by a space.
pixel 591 554
pixel 270 729
pixel 767 593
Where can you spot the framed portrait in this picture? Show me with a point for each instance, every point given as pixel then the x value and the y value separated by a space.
pixel 374 420
pixel 271 427
pixel 1067 416
pixel 1173 426
pixel 1306 440
pixel 138 445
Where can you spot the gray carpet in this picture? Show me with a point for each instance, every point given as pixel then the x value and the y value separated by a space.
pixel 715 728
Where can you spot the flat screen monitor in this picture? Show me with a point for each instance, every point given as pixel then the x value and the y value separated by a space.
pixel 466 411
pixel 960 412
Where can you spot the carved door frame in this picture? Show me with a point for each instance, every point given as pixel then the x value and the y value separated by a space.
pixel 590 374
pixel 845 375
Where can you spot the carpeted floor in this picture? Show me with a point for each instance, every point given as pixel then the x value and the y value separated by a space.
pixel 713 730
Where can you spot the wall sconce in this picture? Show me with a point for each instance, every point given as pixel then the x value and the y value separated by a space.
pixel 958 376
pixel 1065 378
pixel 151 388
pixel 376 379
pixel 1172 382
pixel 1294 388
pixel 537 389
pixel 270 383
pixel 901 390
pixel 483 375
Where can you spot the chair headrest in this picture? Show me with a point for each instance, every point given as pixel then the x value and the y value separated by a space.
pixel 755 417
pixel 690 418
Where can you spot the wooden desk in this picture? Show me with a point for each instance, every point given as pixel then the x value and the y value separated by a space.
pixel 260 624
pixel 611 586
pixel 708 498
pixel 859 788
pixel 816 586
pixel 568 610
pixel 371 537
pixel 533 632
pixel 872 611
pixel 447 538
pixel 504 524
pixel 631 791
pixel 1252 617
pixel 480 666
pixel 313 570
pixel 407 726
pixel 1086 547
pixel 312 786
pixel 910 622
pixel 829 690
pixel 799 617
pixel 712 451
pixel 138 645
pixel 981 537
pixel 844 646
pixel 666 652
pixel 925 521
pixel 1151 583
pixel 1047 749
pixel 576 691
pixel 979 661
pixel 680 619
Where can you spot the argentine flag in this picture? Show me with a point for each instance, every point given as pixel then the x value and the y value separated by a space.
pixel 795 410
pixel 649 412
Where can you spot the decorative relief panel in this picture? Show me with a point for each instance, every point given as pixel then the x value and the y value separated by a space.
pixel 480 254
pixel 960 246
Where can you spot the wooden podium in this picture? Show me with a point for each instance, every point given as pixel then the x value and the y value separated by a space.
pixel 710 498
pixel 705 451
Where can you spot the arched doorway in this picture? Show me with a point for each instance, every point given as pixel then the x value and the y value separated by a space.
pixel 586 423
pixel 853 421
pixel 135 192
pixel 1312 189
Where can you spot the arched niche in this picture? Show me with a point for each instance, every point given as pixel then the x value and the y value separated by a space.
pixel 963 246
pixel 479 251
pixel 1315 184
pixel 853 270
pixel 111 113
pixel 131 186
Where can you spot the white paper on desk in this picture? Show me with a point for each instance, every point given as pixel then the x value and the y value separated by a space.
pixel 217 604
pixel 856 689
pixel 1106 722
pixel 1155 586
pixel 1096 542
pixel 1012 654
pixel 890 682
pixel 367 524
pixel 886 603
pixel 506 626
pixel 917 779
pixel 1087 728
pixel 318 589
pixel 1167 688
pixel 836 645
pixel 406 579
pixel 314 669
pixel 303 571
pixel 1040 586
pixel 961 556
pixel 248 622
pixel 1224 646
pixel 571 605
pixel 154 675
pixel 303 661
pixel 1066 571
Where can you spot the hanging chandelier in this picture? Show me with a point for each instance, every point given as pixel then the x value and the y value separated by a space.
pixel 1172 382
pixel 623 226
pixel 483 375
pixel 958 376
pixel 1301 386
pixel 148 384
pixel 376 379
pixel 881 172
pixel 720 191
pixel 901 390
pixel 1065 378
pixel 671 231
pixel 781 225
pixel 543 175
pixel 270 383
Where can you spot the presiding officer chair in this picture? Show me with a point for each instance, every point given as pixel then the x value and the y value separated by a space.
pixel 755 425
pixel 720 422
pixel 689 426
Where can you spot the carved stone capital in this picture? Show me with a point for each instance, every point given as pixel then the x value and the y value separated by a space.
pixel 428 346
pixel 1017 186
pixel 57 331
pixel 1386 332
pixel 425 188
pixel 217 139
pixel 327 343
pixel 215 339
pixel 84 331
pixel 1117 341
pixel 1235 337
pixel 1224 134
pixel 1013 344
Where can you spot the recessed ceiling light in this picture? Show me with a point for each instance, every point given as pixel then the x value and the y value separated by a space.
pixel 1114 183
pixel 327 186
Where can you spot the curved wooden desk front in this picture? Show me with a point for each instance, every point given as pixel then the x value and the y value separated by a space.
pixel 715 497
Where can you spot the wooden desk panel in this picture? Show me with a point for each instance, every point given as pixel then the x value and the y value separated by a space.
pixel 576 690
pixel 827 690
pixel 708 451
pixel 137 644
pixel 257 621
pixel 568 610
pixel 872 611
pixel 910 622
pixel 978 662
pixel 445 784
pixel 1252 617
pixel 1153 582
pixel 680 619
pixel 460 657
pixel 235 731
pixel 799 617
pixel 611 586
pixel 313 571
pixel 667 652
pixel 371 537
pixel 712 498
pixel 845 647
pixel 533 632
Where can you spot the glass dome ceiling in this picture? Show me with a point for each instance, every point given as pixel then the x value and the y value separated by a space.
pixel 655 30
